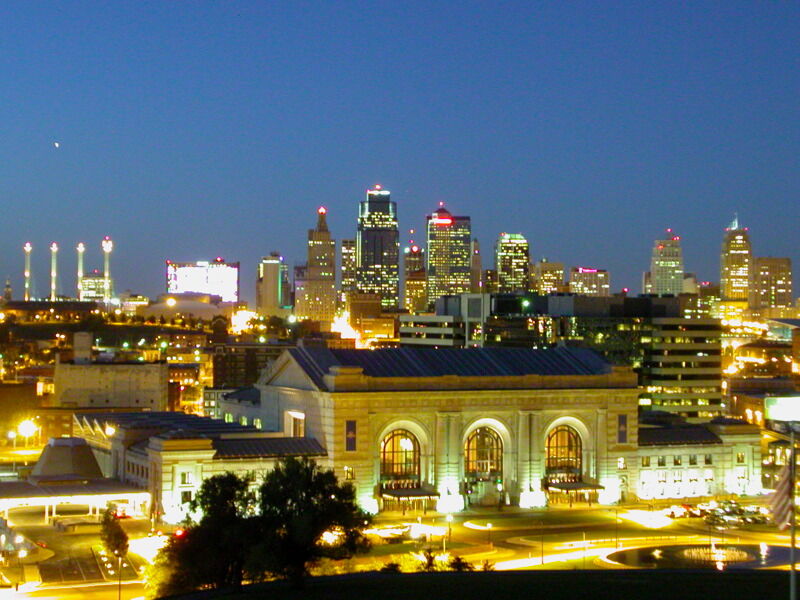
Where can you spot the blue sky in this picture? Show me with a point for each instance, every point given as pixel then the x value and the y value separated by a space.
pixel 193 130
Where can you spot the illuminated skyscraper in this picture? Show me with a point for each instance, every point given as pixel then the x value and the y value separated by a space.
pixel 548 277
pixel 315 294
pixel 512 261
pixel 449 254
pixel 273 292
pixel 416 294
pixel 772 283
pixel 589 282
pixel 666 267
pixel 736 262
pixel 378 248
pixel 348 269
pixel 476 269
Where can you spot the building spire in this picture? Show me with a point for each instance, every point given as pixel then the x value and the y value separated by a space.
pixel 322 223
pixel 735 222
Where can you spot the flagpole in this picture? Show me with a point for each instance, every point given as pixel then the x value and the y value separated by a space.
pixel 792 520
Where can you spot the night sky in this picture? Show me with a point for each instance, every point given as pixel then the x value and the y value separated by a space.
pixel 194 130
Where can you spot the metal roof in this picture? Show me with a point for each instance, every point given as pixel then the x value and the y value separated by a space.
pixel 412 361
pixel 267 447
pixel 681 435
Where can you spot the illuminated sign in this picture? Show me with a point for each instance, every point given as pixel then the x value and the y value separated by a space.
pixel 203 277
pixel 585 270
pixel 785 408
pixel 442 220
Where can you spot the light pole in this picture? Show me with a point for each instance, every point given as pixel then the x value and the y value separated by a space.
pixel 489 534
pixel 21 553
pixel 449 536
pixel 616 528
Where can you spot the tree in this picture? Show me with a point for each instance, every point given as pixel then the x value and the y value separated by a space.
pixel 214 552
pixel 114 538
pixel 299 502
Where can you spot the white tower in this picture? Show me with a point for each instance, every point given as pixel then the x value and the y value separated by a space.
pixel 28 248
pixel 53 270
pixel 108 246
pixel 81 249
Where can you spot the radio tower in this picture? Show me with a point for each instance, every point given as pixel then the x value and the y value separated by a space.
pixel 81 249
pixel 108 246
pixel 53 270
pixel 27 247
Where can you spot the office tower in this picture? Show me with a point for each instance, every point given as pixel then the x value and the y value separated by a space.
pixel 348 269
pixel 476 268
pixel 449 254
pixel 512 261
pixel 315 295
pixel 735 263
pixel 8 293
pixel 273 292
pixel 378 247
pixel 666 267
pixel 585 281
pixel 489 281
pixel 549 276
pixel 416 294
pixel 772 283
pixel 93 287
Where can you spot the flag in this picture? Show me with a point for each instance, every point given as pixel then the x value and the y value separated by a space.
pixel 781 500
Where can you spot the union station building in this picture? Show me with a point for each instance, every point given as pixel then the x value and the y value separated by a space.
pixel 445 428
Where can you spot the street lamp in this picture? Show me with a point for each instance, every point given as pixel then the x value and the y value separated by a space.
pixel 449 519
pixel 489 534
pixel 22 553
pixel 26 429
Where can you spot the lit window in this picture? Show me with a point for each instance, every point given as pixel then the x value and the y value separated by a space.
pixel 349 474
pixel 740 458
pixel 645 461
pixel 620 463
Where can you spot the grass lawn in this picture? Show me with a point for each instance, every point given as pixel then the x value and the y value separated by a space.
pixel 552 585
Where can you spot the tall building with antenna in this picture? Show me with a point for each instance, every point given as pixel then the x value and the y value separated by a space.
pixel 736 263
pixel 378 247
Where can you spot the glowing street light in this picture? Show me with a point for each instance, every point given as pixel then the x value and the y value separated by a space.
pixel 489 533
pixel 27 429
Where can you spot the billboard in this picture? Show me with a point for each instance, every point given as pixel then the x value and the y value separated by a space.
pixel 203 277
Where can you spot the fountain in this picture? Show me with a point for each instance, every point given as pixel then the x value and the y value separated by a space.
pixel 705 556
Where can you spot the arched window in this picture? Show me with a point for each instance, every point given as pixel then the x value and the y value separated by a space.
pixel 400 456
pixel 564 454
pixel 483 454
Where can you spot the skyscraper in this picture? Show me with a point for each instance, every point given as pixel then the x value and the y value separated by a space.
pixel 512 263
pixel 666 267
pixel 416 296
pixel 549 276
pixel 476 268
pixel 378 247
pixel 449 254
pixel 771 283
pixel 735 263
pixel 273 292
pixel 589 282
pixel 349 267
pixel 315 294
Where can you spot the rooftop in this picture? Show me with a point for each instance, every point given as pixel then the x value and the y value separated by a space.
pixel 422 362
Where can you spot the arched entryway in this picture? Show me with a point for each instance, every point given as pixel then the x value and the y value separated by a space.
pixel 401 485
pixel 483 466
pixel 564 467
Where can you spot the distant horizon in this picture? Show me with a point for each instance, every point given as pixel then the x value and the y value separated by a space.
pixel 187 132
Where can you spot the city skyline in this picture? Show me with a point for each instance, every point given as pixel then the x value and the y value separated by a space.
pixel 587 129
